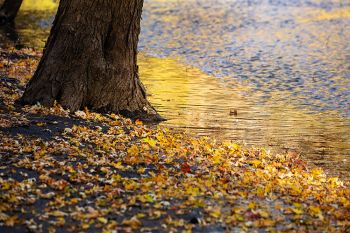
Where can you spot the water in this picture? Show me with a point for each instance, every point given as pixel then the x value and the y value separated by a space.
pixel 299 48
pixel 283 66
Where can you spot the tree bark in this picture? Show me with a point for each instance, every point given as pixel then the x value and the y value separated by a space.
pixel 90 60
pixel 9 10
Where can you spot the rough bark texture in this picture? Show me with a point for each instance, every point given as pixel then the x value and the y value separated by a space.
pixel 9 10
pixel 90 60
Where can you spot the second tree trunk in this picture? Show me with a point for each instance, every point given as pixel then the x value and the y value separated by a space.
pixel 9 10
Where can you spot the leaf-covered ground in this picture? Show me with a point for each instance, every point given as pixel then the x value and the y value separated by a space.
pixel 87 172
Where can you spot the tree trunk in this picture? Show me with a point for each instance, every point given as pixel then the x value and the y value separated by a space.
pixel 9 10
pixel 90 60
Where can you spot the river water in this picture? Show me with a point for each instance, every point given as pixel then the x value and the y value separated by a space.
pixel 272 73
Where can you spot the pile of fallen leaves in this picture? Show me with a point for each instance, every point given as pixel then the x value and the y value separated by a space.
pixel 83 171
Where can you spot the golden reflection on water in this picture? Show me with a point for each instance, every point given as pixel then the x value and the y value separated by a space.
pixel 319 15
pixel 201 104
pixel 39 5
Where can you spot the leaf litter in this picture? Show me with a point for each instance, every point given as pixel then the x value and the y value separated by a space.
pixel 91 172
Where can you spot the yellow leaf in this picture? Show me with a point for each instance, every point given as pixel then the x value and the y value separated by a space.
pixel 156 214
pixel 215 213
pixel 58 213
pixel 266 223
pixel 260 192
pixel 193 191
pixel 74 200
pixel 5 186
pixel 296 189
pixel 297 211
pixel 217 158
pixel 141 170
pixel 150 141
pixel 315 211
pixel 133 150
pixel 118 165
pixel 264 214
pixel 140 215
pixel 256 163
pixel 131 185
pixel 102 220
pixel 146 198
pixel 252 205
pixel 316 171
